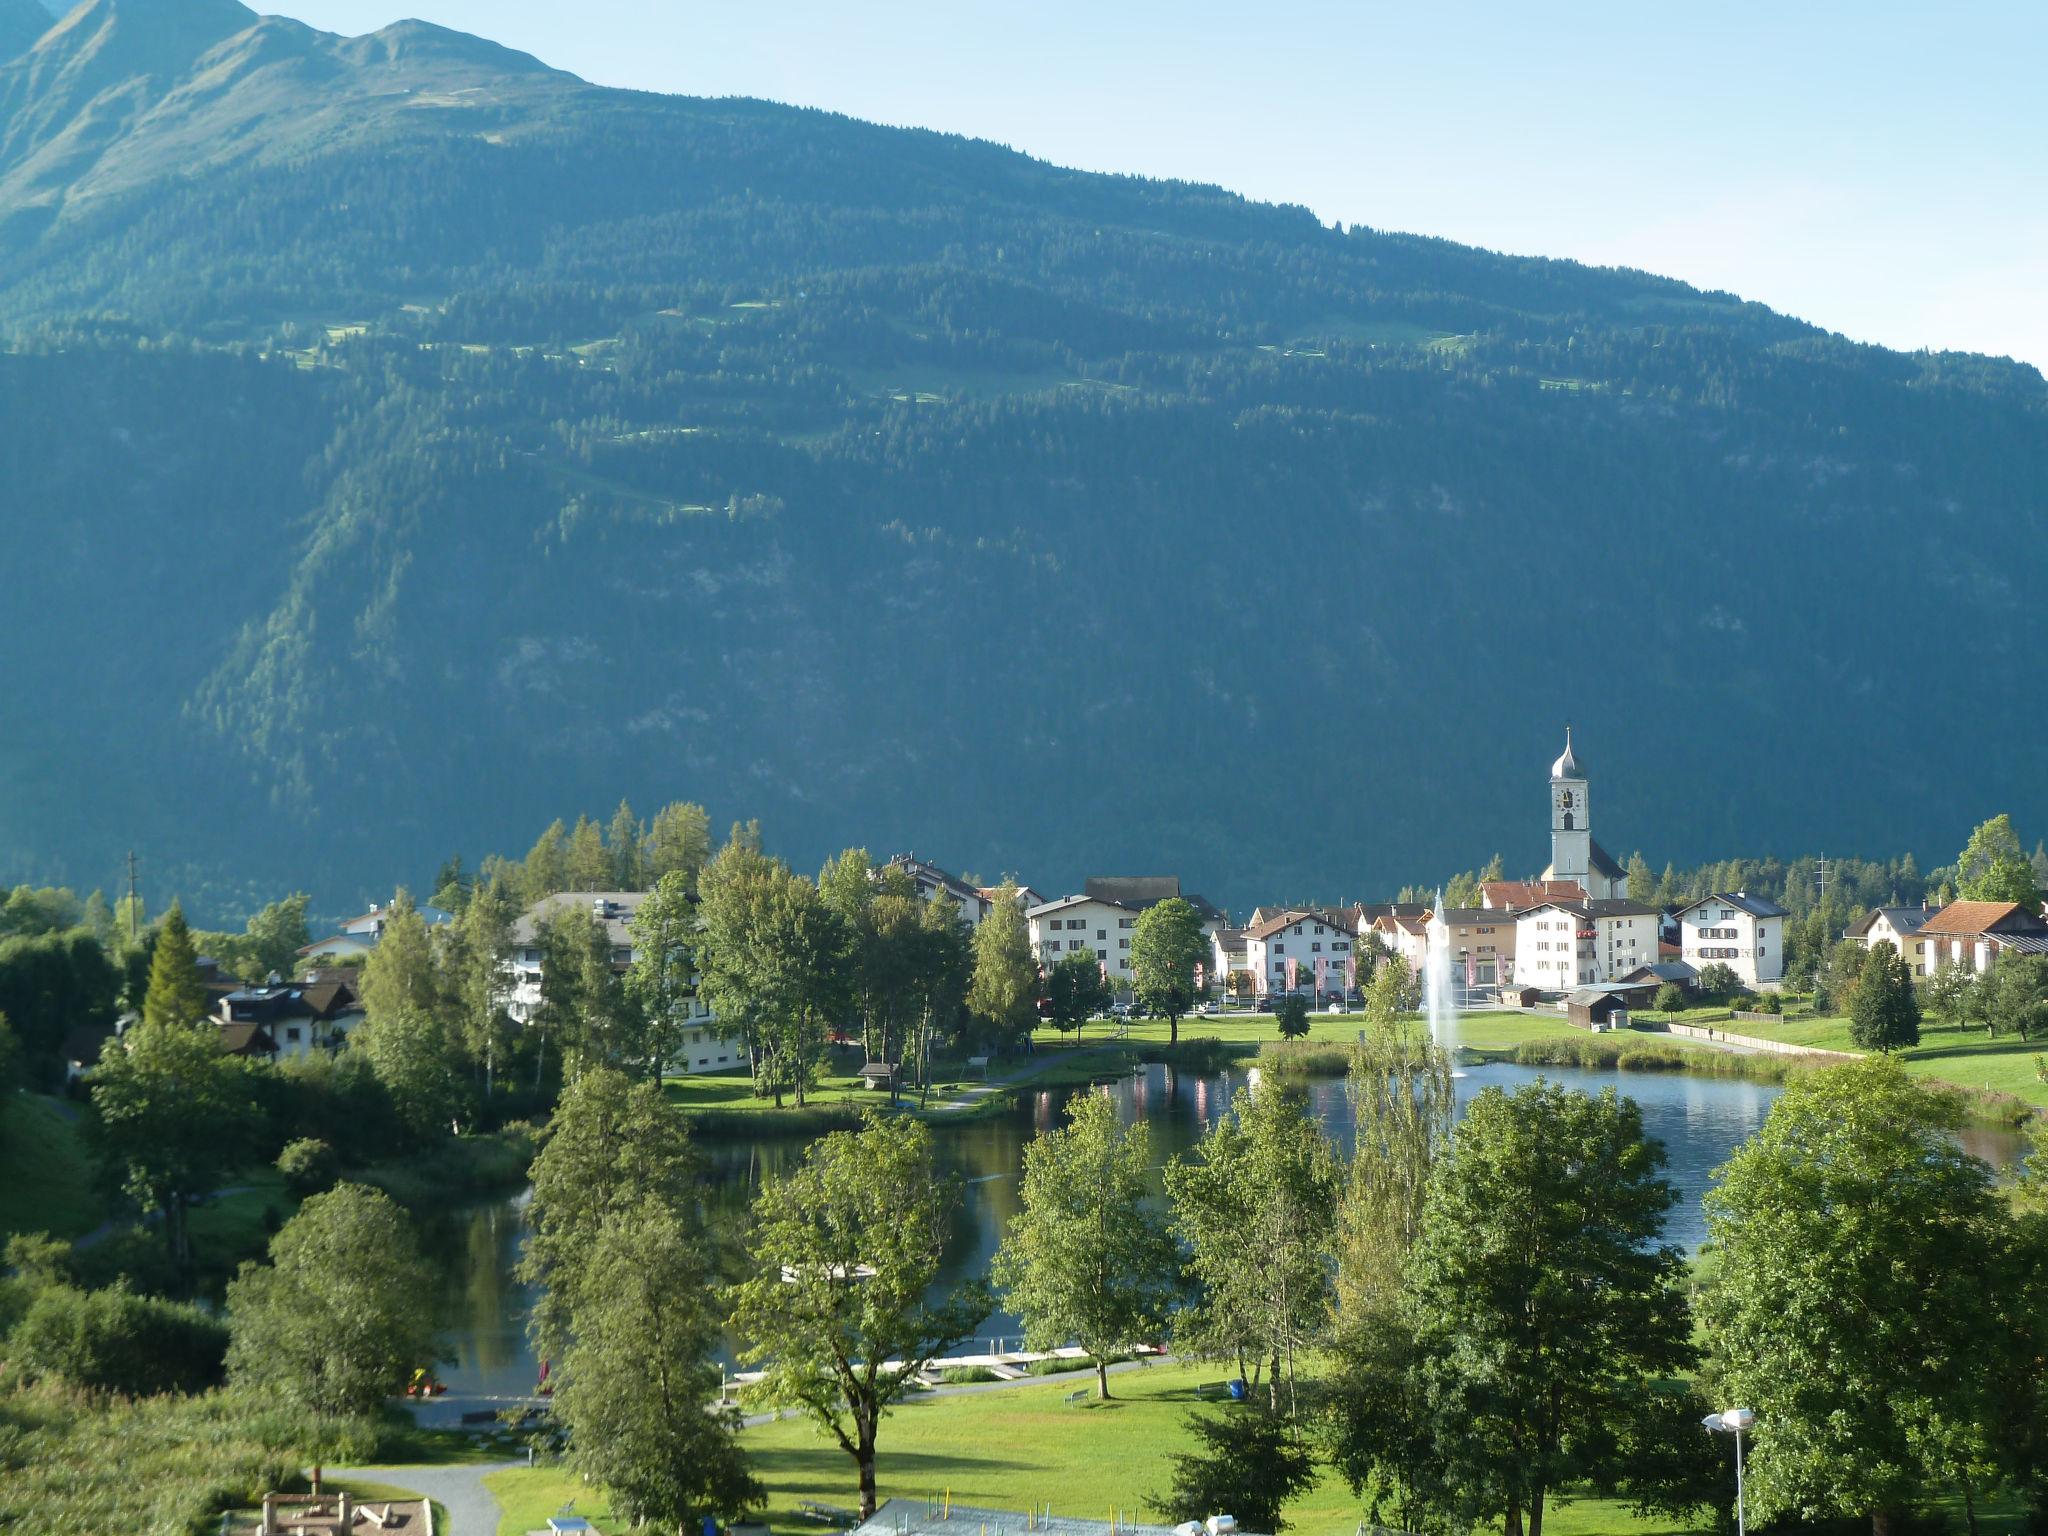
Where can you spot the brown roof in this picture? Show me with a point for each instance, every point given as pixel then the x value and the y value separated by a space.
pixel 1293 915
pixel 247 1040
pixel 1530 893
pixel 1415 925
pixel 1974 917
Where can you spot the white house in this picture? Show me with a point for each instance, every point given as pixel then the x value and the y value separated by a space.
pixel 1317 944
pixel 359 935
pixel 1406 935
pixel 1563 945
pixel 702 1049
pixel 932 882
pixel 1899 927
pixel 1743 932
pixel 1104 917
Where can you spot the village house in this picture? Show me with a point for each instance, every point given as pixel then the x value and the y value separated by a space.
pixel 1301 950
pixel 296 1019
pixel 1482 945
pixel 1103 917
pixel 359 935
pixel 1899 927
pixel 1563 945
pixel 702 1050
pixel 1743 932
pixel 1406 935
pixel 1976 933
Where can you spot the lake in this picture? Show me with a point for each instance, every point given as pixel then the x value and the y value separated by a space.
pixel 483 1309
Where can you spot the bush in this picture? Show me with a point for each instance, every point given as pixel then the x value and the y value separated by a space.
pixel 1249 1465
pixel 1766 1002
pixel 1670 998
pixel 1291 1012
pixel 116 1341
pixel 1719 981
pixel 309 1167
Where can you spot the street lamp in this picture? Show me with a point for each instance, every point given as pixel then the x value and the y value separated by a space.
pixel 1733 1422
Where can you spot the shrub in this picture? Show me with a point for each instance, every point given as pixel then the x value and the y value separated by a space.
pixel 1670 998
pixel 1719 981
pixel 309 1167
pixel 1767 1002
pixel 116 1341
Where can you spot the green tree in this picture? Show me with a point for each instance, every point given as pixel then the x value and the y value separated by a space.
pixel 586 861
pixel 1994 866
pixel 277 934
pixel 1403 1104
pixel 662 980
pixel 477 948
pixel 113 1340
pixel 1168 947
pixel 942 973
pixel 1087 1258
pixel 1246 1462
pixel 614 1146
pixel 1546 1316
pixel 836 1308
pixel 333 1324
pixel 2016 1000
pixel 546 869
pixel 176 995
pixel 402 974
pixel 1003 993
pixel 638 1372
pixel 1642 885
pixel 1885 1012
pixel 420 1065
pixel 1387 996
pixel 678 843
pixel 173 1115
pixel 622 845
pixel 1291 1014
pixel 1948 992
pixel 1075 991
pixel 1256 1209
pixel 1855 1307
pixel 585 1006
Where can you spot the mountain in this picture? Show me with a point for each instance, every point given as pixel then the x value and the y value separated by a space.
pixel 408 443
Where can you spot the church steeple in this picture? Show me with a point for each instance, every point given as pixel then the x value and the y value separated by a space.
pixel 1571 819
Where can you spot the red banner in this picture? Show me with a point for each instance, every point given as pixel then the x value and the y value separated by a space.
pixel 1293 972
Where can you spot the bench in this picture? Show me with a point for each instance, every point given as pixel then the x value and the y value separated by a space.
pixel 827 1514
pixel 1075 1397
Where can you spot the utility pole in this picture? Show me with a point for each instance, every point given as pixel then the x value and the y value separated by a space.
pixel 1823 877
pixel 134 906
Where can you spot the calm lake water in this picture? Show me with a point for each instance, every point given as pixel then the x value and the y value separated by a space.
pixel 483 1309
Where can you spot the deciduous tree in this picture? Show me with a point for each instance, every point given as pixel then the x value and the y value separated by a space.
pixel 1854 1311
pixel 1087 1259
pixel 333 1324
pixel 1075 991
pixel 1168 948
pixel 1004 991
pixel 1994 866
pixel 836 1308
pixel 1885 1011
pixel 662 981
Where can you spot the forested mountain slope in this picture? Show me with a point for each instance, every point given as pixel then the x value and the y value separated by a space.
pixel 405 443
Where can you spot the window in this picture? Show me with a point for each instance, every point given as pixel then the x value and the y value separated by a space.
pixel 1279 949
pixel 1127 922
pixel 1073 943
pixel 1102 954
pixel 1100 934
pixel 1123 943
pixel 1316 948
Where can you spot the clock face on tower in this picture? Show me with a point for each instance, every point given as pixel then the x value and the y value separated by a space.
pixel 1564 799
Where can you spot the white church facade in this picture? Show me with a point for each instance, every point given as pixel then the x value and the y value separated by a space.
pixel 1574 855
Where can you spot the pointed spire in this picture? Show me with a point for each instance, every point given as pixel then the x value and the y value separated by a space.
pixel 1567 765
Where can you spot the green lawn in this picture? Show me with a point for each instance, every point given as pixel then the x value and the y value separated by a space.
pixel 47 1181
pixel 1007 1450
pixel 1964 1057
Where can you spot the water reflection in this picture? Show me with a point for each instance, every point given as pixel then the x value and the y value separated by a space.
pixel 483 1309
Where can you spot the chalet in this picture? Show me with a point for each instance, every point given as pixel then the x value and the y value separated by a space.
pixel 1976 933
pixel 1743 932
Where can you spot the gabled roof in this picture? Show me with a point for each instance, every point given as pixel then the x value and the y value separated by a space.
pixel 1530 893
pixel 1665 970
pixel 1137 892
pixel 1904 920
pixel 1603 863
pixel 1395 922
pixel 247 1040
pixel 1741 901
pixel 1605 907
pixel 957 888
pixel 1968 918
pixel 1476 917
pixel 1288 918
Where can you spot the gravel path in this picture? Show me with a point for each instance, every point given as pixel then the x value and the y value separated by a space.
pixel 472 1508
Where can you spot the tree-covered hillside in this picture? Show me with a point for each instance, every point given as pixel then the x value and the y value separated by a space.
pixel 452 444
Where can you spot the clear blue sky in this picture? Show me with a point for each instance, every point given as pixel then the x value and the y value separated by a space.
pixel 1878 168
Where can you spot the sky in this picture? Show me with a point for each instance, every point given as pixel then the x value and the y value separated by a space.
pixel 1879 169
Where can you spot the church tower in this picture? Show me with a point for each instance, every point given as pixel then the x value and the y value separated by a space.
pixel 1571 821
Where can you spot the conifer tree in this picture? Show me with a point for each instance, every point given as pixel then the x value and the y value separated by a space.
pixel 176 995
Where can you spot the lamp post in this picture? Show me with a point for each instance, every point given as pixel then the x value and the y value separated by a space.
pixel 1733 1422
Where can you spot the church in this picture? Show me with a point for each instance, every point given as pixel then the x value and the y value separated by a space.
pixel 1573 853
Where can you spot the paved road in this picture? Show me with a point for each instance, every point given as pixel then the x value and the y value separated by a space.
pixel 472 1508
